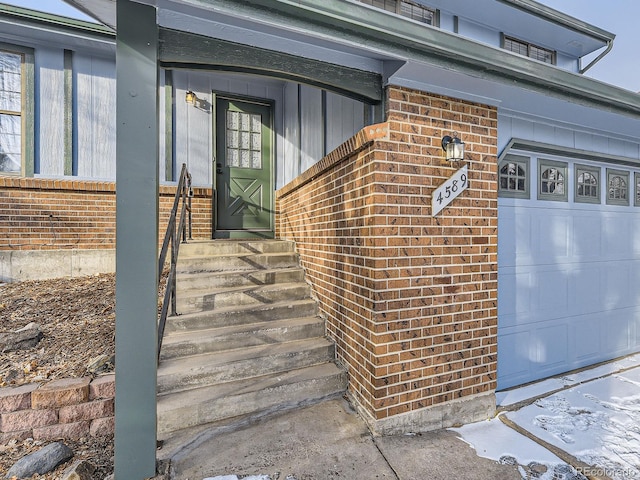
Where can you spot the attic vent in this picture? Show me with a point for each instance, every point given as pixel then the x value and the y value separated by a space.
pixel 406 8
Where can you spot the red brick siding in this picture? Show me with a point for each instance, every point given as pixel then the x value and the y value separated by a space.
pixel 43 214
pixel 410 299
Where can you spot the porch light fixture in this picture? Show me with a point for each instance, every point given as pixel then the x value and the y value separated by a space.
pixel 453 147
pixel 191 98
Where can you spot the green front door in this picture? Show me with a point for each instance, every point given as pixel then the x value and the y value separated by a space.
pixel 243 183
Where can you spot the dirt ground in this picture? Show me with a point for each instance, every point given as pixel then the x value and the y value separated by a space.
pixel 77 318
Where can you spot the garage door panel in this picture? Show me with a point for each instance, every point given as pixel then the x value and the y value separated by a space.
pixel 616 233
pixel 615 285
pixel 552 347
pixel 586 345
pixel 515 290
pixel 585 292
pixel 587 240
pixel 616 332
pixel 552 287
pixel 515 346
pixel 635 238
pixel 553 237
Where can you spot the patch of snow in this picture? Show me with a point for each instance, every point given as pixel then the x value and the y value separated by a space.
pixel 493 439
pixel 598 422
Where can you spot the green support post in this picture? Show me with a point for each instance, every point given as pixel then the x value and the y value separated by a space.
pixel 137 180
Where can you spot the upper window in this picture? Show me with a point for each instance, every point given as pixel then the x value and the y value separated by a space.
pixel 587 189
pixel 406 8
pixel 552 180
pixel 637 196
pixel 617 187
pixel 529 50
pixel 514 177
pixel 16 110
pixel 11 112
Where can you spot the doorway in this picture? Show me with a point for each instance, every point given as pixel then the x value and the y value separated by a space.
pixel 243 179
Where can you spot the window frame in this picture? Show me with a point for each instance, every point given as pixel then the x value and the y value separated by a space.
pixel 398 10
pixel 595 171
pixel 529 45
pixel 524 161
pixel 543 165
pixel 621 173
pixel 27 114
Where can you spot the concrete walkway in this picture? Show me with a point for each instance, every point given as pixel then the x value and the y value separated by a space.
pixel 324 441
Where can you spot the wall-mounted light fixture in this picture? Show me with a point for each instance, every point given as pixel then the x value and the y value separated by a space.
pixel 191 98
pixel 453 147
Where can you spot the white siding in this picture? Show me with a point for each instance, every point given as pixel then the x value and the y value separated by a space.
pixel 50 112
pixel 95 117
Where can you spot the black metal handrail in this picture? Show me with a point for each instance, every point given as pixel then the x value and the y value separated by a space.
pixel 184 192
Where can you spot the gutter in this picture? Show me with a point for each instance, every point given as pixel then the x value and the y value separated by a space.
pixel 598 58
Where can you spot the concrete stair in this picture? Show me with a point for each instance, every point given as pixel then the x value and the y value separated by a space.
pixel 248 338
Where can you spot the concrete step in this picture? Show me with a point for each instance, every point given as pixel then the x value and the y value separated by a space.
pixel 208 369
pixel 298 387
pixel 241 315
pixel 203 281
pixel 237 296
pixel 201 248
pixel 240 336
pixel 236 262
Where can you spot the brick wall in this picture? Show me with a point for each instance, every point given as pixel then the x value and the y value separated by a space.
pixel 69 408
pixel 410 299
pixel 44 214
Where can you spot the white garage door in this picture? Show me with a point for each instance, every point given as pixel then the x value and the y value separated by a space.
pixel 568 265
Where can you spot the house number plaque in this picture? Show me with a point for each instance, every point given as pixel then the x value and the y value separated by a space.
pixel 445 193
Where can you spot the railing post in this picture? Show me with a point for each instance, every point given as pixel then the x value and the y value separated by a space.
pixel 174 260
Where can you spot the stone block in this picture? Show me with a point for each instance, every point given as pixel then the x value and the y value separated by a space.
pixel 27 419
pixel 103 427
pixel 17 436
pixel 103 387
pixel 86 411
pixel 60 393
pixel 16 398
pixel 79 470
pixel 68 431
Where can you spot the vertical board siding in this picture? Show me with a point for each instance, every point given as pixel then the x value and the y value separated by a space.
pixel 50 111
pixel 95 120
pixel 289 167
pixel 312 127
pixel 345 117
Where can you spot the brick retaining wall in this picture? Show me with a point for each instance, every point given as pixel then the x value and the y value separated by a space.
pixel 69 408
pixel 45 214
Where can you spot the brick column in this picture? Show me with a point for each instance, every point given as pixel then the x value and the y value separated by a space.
pixel 410 299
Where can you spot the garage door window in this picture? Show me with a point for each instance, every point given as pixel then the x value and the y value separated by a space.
pixel 587 184
pixel 617 187
pixel 514 177
pixel 637 196
pixel 552 181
